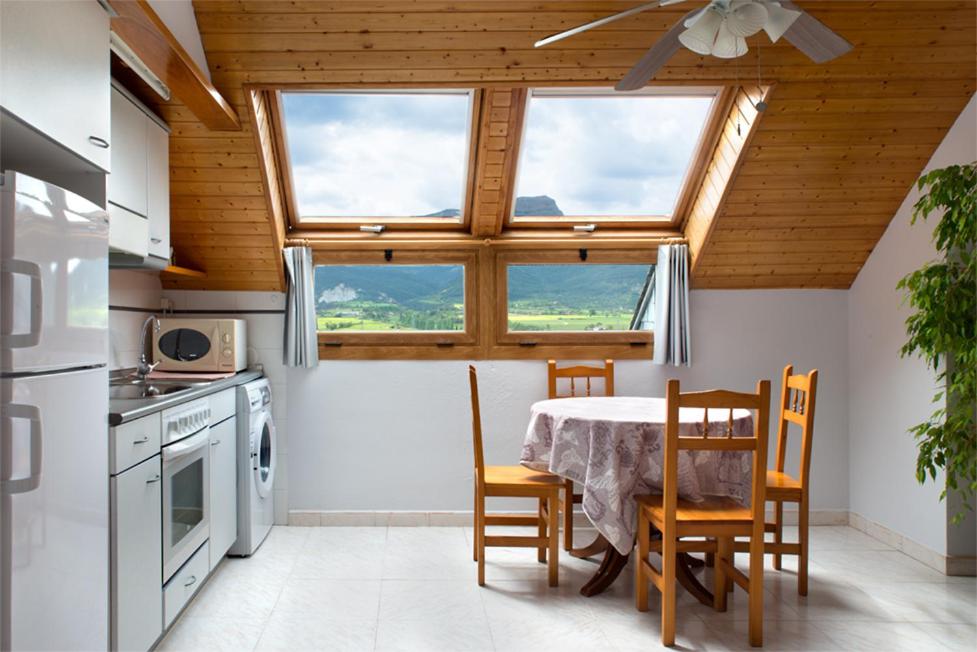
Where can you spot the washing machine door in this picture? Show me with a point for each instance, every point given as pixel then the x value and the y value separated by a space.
pixel 263 455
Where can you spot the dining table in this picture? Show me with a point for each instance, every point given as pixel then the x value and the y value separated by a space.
pixel 613 447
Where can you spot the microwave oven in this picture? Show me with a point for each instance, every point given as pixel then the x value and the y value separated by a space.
pixel 201 345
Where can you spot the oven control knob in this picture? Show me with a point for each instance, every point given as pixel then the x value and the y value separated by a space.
pixel 227 353
pixel 227 338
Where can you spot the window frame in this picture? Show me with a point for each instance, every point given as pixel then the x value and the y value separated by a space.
pixel 388 342
pixel 723 96
pixel 354 222
pixel 521 339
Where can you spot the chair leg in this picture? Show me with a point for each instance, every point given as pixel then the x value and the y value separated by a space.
pixel 541 532
pixel 778 532
pixel 553 532
pixel 475 513
pixel 723 547
pixel 480 536
pixel 669 550
pixel 640 581
pixel 802 532
pixel 568 515
pixel 756 590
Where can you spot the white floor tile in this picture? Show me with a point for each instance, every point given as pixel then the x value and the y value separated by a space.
pixel 399 588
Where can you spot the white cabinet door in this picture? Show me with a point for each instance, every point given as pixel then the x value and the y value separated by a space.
pixel 158 179
pixel 55 74
pixel 137 557
pixel 127 183
pixel 223 488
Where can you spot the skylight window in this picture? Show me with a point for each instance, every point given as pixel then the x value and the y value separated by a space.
pixel 373 156
pixel 598 155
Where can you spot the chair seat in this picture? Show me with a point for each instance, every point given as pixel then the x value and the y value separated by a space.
pixel 522 477
pixel 780 484
pixel 711 510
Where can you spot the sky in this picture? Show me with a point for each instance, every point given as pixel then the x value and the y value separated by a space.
pixel 624 155
pixel 378 154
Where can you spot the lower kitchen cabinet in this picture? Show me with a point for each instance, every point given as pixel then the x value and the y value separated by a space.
pixel 137 556
pixel 223 488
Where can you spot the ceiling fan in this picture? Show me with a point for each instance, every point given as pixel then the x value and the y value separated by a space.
pixel 720 29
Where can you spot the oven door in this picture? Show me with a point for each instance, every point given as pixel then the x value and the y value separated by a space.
pixel 186 499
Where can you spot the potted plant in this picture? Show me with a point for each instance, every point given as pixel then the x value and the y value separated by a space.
pixel 941 329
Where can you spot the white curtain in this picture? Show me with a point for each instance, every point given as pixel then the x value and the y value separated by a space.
pixel 673 335
pixel 301 346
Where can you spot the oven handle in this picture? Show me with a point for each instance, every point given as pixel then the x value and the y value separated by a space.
pixel 186 446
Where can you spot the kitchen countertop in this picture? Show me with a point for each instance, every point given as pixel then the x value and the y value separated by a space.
pixel 123 410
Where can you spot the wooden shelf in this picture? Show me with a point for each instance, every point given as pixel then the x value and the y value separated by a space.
pixel 185 272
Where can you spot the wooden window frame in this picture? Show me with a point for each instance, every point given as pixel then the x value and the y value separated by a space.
pixel 387 345
pixel 638 343
pixel 391 223
pixel 722 101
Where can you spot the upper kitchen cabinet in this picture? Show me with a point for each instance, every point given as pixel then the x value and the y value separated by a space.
pixel 138 188
pixel 55 73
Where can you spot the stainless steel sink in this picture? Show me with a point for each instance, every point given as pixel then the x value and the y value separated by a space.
pixel 143 389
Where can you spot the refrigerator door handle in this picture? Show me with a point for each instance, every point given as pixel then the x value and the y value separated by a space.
pixel 33 271
pixel 31 482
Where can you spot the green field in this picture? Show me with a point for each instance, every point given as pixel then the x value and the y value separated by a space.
pixel 569 322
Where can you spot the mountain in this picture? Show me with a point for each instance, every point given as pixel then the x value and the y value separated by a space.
pixel 541 205
pixel 409 285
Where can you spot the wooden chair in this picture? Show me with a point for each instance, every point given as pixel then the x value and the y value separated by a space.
pixel 517 482
pixel 585 374
pixel 797 399
pixel 716 520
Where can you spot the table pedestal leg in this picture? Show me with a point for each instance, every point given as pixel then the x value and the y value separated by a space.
pixel 598 546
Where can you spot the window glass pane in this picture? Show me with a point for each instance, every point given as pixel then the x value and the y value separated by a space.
pixel 378 154
pixel 390 297
pixel 574 297
pixel 607 155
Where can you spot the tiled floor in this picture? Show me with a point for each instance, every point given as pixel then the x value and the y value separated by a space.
pixel 414 589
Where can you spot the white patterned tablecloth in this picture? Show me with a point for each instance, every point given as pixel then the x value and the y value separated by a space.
pixel 614 447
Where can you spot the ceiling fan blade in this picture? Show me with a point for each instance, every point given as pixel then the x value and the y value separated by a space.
pixel 656 57
pixel 602 21
pixel 814 38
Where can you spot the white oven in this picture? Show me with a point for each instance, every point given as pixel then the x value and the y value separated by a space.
pixel 201 345
pixel 186 483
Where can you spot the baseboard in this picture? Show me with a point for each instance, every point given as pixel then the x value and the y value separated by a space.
pixel 946 564
pixel 313 518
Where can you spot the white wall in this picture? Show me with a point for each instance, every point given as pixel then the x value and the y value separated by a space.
pixel 396 435
pixel 179 18
pixel 133 295
pixel 890 394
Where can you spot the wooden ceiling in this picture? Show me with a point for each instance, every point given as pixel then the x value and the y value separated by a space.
pixel 826 169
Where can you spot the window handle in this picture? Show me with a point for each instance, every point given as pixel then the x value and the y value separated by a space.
pixel 527 343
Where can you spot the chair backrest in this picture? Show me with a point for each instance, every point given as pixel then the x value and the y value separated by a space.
pixel 476 426
pixel 718 436
pixel 581 373
pixel 797 397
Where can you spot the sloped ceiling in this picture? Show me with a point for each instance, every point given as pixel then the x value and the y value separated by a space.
pixel 831 161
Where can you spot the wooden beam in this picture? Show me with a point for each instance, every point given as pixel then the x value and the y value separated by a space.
pixel 186 272
pixel 146 34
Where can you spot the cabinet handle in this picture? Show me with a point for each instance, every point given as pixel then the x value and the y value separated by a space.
pixel 191 581
pixel 98 142
pixel 215 442
pixel 153 479
pixel 141 441
pixel 156 240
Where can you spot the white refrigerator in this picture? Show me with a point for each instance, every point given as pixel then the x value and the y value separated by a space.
pixel 54 500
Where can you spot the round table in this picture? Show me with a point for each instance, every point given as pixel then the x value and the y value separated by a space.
pixel 614 447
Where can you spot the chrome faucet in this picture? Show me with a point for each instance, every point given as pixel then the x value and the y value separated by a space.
pixel 144 368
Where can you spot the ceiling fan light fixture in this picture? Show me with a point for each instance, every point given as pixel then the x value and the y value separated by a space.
pixel 701 36
pixel 779 20
pixel 728 45
pixel 745 17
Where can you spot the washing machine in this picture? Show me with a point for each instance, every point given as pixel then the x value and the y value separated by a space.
pixel 256 467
